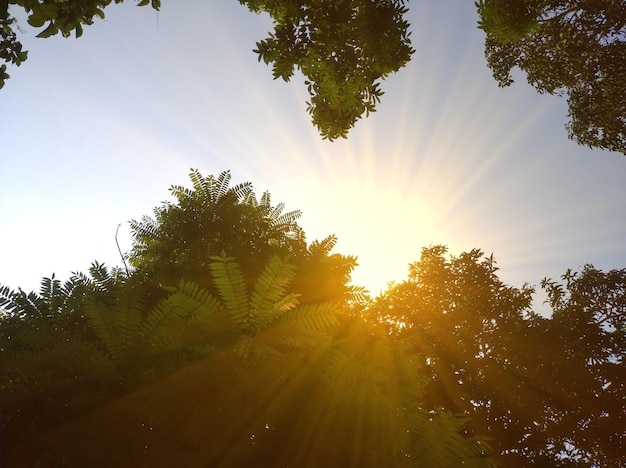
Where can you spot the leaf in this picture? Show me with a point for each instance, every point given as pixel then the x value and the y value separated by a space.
pixel 37 20
pixel 267 298
pixel 51 30
pixel 231 286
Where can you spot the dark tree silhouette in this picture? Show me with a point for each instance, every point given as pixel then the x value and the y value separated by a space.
pixel 548 391
pixel 212 217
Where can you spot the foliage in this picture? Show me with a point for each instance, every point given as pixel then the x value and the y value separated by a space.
pixel 49 371
pixel 231 365
pixel 589 328
pixel 66 17
pixel 211 216
pixel 346 48
pixel 548 391
pixel 343 48
pixel 568 48
pixel 284 384
pixel 207 219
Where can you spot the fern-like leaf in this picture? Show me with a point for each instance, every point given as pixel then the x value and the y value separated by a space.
pixel 267 301
pixel 117 326
pixel 221 185
pixel 231 286
pixel 313 317
pixel 323 247
pixel 183 313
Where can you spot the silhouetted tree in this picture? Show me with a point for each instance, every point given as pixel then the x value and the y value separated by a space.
pixel 588 334
pixel 279 384
pixel 548 391
pixel 212 217
pixel 568 48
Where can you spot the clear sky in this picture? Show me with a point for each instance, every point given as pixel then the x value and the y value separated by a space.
pixel 93 132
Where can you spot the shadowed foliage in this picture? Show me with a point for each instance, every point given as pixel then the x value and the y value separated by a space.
pixel 211 217
pixel 194 358
pixel 247 379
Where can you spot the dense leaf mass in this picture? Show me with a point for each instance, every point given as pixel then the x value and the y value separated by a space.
pixel 343 48
pixel 246 378
pixel 212 217
pixel 577 49
pixel 549 392
pixel 267 356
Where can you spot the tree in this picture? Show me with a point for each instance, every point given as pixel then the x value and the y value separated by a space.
pixel 465 323
pixel 278 384
pixel 212 217
pixel 51 366
pixel 51 372
pixel 577 49
pixel 548 391
pixel 343 48
pixel 589 328
pixel 207 219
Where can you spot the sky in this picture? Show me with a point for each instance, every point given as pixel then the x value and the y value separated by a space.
pixel 94 131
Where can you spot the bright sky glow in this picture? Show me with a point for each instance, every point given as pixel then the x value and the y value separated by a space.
pixel 95 130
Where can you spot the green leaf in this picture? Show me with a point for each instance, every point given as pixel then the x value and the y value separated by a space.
pixel 36 20
pixel 51 30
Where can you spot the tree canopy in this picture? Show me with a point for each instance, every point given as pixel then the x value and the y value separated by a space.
pixel 212 217
pixel 268 356
pixel 547 391
pixel 577 49
pixel 231 372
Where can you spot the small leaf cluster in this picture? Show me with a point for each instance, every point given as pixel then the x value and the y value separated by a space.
pixel 343 48
pixel 508 20
pixel 65 17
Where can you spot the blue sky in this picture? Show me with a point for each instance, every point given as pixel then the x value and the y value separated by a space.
pixel 95 130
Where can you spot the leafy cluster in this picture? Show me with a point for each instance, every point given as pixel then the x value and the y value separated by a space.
pixel 577 49
pixel 66 17
pixel 211 217
pixel 548 391
pixel 343 48
pixel 206 219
